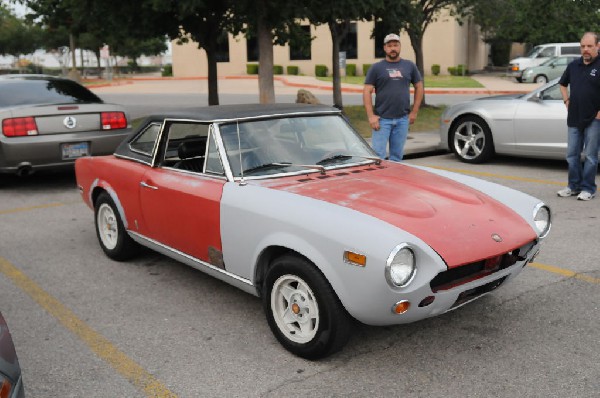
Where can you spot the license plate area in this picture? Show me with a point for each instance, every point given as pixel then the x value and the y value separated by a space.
pixel 74 150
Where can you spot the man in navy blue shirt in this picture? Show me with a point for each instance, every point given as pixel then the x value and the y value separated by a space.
pixel 390 79
pixel 583 119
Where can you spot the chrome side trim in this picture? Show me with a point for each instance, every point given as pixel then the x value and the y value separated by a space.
pixel 225 276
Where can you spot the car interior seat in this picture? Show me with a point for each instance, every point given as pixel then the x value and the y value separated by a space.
pixel 191 152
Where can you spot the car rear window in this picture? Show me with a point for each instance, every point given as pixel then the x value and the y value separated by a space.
pixel 17 92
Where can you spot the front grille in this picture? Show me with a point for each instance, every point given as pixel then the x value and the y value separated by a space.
pixel 469 272
pixel 470 294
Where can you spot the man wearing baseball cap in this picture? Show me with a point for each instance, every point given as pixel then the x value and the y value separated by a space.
pixel 390 80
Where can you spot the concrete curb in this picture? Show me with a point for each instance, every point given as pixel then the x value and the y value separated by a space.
pixel 306 85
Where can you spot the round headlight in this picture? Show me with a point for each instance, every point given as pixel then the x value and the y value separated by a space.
pixel 400 266
pixel 542 219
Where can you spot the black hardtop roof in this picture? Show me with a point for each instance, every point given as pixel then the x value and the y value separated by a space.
pixel 245 111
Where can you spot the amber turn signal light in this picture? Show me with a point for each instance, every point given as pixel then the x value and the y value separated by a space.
pixel 355 258
pixel 401 307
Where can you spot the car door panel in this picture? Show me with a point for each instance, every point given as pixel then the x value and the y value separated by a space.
pixel 182 210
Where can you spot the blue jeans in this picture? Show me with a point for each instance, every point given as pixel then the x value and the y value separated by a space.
pixel 582 177
pixel 396 132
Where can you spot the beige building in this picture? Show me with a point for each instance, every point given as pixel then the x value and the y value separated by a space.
pixel 446 43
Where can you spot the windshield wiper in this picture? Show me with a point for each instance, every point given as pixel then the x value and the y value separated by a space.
pixel 334 158
pixel 345 157
pixel 266 166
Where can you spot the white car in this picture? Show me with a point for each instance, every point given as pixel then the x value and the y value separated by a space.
pixel 530 125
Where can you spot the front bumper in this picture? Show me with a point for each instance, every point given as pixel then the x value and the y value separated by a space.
pixel 437 297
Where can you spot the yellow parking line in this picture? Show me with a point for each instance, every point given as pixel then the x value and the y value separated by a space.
pixel 21 209
pixel 101 346
pixel 565 272
pixel 505 177
pixel 44 206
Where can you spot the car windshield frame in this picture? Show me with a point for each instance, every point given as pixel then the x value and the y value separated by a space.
pixel 291 144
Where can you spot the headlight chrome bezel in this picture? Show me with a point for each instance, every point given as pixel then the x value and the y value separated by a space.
pixel 401 250
pixel 543 225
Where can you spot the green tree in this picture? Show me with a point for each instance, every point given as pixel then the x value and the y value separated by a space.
pixel 17 36
pixel 272 23
pixel 338 15
pixel 529 21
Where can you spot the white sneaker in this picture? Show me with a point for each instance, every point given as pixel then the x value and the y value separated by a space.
pixel 566 192
pixel 584 195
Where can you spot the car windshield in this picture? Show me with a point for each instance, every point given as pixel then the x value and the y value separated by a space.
pixel 534 52
pixel 292 144
pixel 18 92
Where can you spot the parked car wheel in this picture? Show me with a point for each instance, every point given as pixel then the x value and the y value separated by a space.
pixel 302 309
pixel 471 140
pixel 113 238
pixel 541 79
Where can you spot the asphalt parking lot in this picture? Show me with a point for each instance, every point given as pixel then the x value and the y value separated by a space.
pixel 86 326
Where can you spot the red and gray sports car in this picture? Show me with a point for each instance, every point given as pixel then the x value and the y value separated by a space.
pixel 288 203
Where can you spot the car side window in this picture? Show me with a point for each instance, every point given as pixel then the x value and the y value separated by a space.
pixel 213 160
pixel 185 146
pixel 144 142
pixel 547 52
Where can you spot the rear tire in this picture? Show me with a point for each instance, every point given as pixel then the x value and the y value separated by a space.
pixel 471 140
pixel 114 239
pixel 541 79
pixel 302 310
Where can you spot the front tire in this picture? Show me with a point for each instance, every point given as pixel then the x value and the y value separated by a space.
pixel 471 140
pixel 113 238
pixel 541 79
pixel 302 310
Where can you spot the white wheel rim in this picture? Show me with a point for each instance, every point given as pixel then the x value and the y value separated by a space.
pixel 107 226
pixel 469 140
pixel 295 309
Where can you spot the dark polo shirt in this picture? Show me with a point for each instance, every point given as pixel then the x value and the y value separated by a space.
pixel 584 96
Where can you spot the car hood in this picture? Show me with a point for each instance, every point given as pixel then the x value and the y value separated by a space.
pixel 500 97
pixel 457 221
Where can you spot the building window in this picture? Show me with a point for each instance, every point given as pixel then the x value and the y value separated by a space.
pixel 378 34
pixel 222 53
pixel 349 43
pixel 252 48
pixel 300 47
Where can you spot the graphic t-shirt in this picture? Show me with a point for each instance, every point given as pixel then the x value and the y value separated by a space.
pixel 392 82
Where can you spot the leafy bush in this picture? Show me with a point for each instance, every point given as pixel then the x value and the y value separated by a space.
pixel 167 70
pixel 252 69
pixel 292 70
pixel 366 69
pixel 435 69
pixel 458 70
pixel 321 70
pixel 277 70
pixel 350 69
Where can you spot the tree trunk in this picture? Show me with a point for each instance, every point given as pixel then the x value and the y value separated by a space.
pixel 335 65
pixel 213 83
pixel 73 73
pixel 266 87
pixel 416 41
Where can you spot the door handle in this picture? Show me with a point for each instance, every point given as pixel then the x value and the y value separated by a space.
pixel 145 185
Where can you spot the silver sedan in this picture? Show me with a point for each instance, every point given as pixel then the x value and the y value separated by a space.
pixel 529 125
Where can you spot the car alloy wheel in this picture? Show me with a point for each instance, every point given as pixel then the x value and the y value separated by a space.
pixel 113 238
pixel 302 309
pixel 107 226
pixel 295 308
pixel 541 79
pixel 472 140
